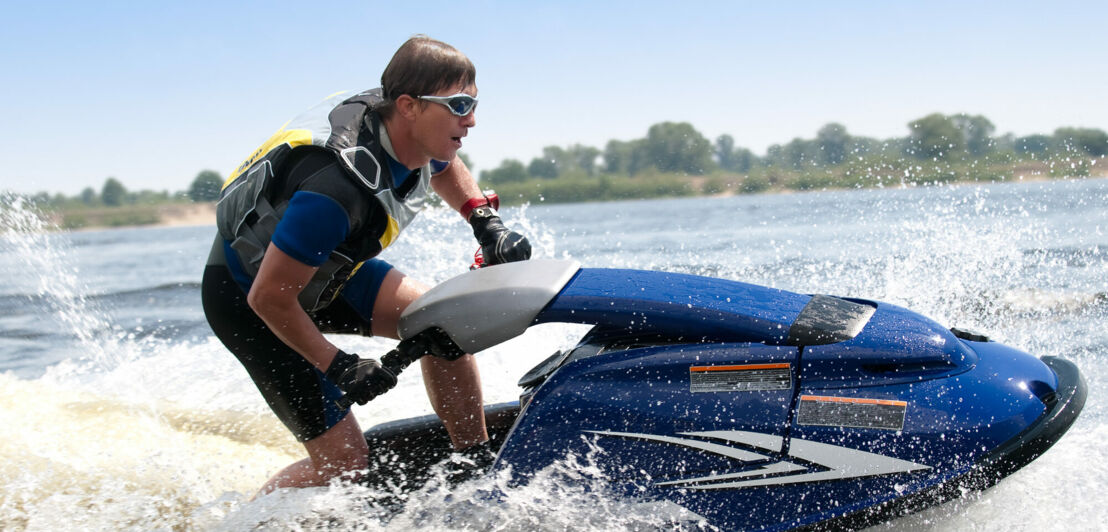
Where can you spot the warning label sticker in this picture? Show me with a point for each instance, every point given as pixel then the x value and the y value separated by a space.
pixel 851 412
pixel 740 378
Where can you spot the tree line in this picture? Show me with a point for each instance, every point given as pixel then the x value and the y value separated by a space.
pixel 678 148
pixel 937 148
pixel 205 187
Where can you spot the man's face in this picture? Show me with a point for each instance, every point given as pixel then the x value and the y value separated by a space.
pixel 438 131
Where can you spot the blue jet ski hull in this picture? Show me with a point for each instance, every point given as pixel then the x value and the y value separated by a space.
pixel 752 407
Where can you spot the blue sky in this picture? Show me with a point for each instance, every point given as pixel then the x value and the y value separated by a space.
pixel 151 93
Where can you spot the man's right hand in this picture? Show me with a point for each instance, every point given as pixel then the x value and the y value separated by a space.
pixel 361 379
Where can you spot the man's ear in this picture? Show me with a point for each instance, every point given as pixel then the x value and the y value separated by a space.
pixel 407 106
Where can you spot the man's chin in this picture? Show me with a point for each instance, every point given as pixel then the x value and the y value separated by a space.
pixel 446 155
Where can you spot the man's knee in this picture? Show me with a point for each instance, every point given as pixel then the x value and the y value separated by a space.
pixel 341 463
pixel 396 293
pixel 342 448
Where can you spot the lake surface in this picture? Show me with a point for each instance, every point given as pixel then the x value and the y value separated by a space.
pixel 120 411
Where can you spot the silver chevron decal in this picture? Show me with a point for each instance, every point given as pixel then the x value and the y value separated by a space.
pixel 771 469
pixel 714 448
pixel 833 462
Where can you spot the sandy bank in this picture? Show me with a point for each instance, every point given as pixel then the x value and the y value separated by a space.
pixel 187 215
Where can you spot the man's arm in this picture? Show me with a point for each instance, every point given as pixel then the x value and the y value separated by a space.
pixel 455 185
pixel 273 297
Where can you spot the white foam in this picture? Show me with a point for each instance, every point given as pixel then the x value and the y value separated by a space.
pixel 155 434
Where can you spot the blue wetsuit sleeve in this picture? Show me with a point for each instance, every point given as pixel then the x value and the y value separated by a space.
pixel 438 166
pixel 312 227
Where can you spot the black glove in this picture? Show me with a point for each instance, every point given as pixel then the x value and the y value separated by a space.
pixel 361 379
pixel 434 342
pixel 498 244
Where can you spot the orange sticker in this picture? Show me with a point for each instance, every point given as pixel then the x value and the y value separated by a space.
pixel 858 412
pixel 740 377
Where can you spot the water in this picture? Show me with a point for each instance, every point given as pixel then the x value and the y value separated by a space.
pixel 121 412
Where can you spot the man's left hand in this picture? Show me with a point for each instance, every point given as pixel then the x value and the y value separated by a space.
pixel 498 243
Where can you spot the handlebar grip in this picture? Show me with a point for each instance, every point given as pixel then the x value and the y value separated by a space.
pixel 399 359
pixel 430 342
pixel 344 402
pixel 395 361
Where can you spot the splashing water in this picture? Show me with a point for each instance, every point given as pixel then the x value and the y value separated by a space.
pixel 113 428
pixel 87 446
pixel 131 432
pixel 34 241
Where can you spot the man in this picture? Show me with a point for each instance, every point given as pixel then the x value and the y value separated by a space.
pixel 299 224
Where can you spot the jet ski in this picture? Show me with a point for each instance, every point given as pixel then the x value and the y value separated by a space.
pixel 752 407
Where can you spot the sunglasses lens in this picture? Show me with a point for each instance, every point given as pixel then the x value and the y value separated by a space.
pixel 462 105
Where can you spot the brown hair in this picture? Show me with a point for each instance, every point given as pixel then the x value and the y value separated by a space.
pixel 424 66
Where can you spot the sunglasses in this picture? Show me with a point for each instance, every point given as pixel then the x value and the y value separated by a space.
pixel 460 104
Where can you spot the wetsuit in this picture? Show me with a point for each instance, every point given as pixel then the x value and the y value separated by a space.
pixel 323 212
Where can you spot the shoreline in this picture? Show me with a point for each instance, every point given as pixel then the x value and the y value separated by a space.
pixel 203 214
pixel 173 215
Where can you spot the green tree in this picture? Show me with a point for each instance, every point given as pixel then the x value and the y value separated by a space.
pixel 206 186
pixel 977 132
pixel 725 151
pixel 1003 143
pixel 774 155
pixel 744 160
pixel 542 168
pixel 730 158
pixel 148 196
pixel 113 193
pixel 864 145
pixel 575 158
pixel 1091 141
pixel 557 161
pixel 583 158
pixel 41 199
pixel 641 159
pixel 1033 144
pixel 799 153
pixel 678 147
pixel 935 136
pixel 509 171
pixel 562 161
pixel 833 142
pixel 617 157
pixel 88 196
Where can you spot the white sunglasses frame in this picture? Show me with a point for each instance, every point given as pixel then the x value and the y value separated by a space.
pixel 444 101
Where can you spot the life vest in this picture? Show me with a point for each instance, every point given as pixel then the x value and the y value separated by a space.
pixel 348 126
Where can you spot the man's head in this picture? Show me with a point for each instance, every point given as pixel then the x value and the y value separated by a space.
pixel 424 66
pixel 430 95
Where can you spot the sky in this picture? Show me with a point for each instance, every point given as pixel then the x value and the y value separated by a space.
pixel 152 93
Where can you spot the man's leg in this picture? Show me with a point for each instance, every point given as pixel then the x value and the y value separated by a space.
pixel 340 450
pixel 454 387
pixel 288 383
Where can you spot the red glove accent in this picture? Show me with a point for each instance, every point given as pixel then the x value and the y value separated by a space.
pixel 478 260
pixel 489 198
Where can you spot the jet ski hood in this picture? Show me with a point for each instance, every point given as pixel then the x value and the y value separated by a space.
pixel 485 307
pixel 752 407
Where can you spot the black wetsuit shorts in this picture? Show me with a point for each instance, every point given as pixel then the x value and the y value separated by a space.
pixel 295 390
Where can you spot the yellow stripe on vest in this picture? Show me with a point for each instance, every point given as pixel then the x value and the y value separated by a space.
pixel 391 232
pixel 292 137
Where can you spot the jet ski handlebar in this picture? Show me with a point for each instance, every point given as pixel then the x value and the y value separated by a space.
pixel 433 341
